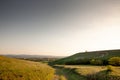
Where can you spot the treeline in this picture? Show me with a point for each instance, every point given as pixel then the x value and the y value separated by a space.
pixel 39 59
pixel 112 61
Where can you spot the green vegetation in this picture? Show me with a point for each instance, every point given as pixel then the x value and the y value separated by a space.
pixel 72 69
pixel 15 69
pixel 40 59
pixel 96 62
pixel 87 72
pixel 68 74
pixel 100 58
pixel 62 78
pixel 109 68
pixel 114 61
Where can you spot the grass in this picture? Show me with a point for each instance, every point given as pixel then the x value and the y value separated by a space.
pixel 88 72
pixel 68 74
pixel 14 69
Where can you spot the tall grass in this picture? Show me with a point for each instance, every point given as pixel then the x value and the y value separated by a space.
pixel 14 69
pixel 93 72
pixel 62 78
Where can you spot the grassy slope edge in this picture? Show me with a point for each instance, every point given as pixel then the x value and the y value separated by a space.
pixel 14 69
pixel 88 72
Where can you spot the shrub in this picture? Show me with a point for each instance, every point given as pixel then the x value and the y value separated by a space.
pixel 109 68
pixel 96 62
pixel 114 61
pixel 62 78
pixel 105 62
pixel 77 62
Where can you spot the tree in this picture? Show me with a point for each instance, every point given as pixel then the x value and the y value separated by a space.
pixel 96 62
pixel 114 61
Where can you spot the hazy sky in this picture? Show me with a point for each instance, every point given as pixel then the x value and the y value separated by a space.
pixel 58 27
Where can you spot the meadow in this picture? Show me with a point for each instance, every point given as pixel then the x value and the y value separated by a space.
pixel 15 69
pixel 75 67
pixel 89 72
pixel 96 65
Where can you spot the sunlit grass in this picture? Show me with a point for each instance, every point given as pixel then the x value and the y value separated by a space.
pixel 14 69
pixel 95 72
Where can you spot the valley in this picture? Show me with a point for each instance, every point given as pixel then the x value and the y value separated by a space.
pixel 59 69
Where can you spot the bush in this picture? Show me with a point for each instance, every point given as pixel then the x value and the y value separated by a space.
pixel 109 68
pixel 105 62
pixel 96 62
pixel 77 62
pixel 62 78
pixel 114 61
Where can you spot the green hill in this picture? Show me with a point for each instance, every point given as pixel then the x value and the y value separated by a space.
pixel 86 56
pixel 15 69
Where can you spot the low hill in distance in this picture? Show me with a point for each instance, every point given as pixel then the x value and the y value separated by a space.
pixel 37 58
pixel 30 56
pixel 102 55
pixel 15 69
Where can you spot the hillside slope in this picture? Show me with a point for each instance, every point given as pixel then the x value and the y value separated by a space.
pixel 15 69
pixel 103 55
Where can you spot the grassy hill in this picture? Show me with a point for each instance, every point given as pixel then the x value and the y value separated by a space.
pixel 102 55
pixel 89 72
pixel 15 69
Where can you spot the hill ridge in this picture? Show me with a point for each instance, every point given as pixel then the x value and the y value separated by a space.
pixel 102 54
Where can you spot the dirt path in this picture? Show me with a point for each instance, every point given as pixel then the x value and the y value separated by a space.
pixel 58 75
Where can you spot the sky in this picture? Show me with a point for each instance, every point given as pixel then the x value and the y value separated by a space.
pixel 58 27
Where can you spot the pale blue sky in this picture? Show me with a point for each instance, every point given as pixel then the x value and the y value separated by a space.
pixel 58 27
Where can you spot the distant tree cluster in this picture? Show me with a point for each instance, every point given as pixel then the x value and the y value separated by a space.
pixel 77 62
pixel 112 61
pixel 96 62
